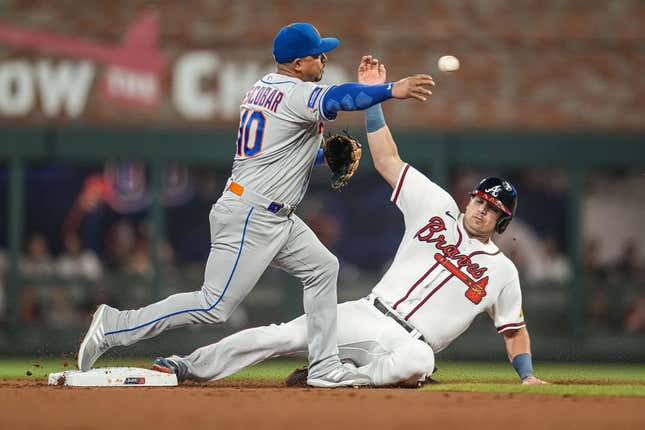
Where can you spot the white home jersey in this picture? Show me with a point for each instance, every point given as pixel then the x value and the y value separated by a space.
pixel 280 132
pixel 441 279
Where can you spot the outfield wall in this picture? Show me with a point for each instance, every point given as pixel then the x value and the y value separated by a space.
pixel 44 171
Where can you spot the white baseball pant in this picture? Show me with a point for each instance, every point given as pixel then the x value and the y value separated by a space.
pixel 376 343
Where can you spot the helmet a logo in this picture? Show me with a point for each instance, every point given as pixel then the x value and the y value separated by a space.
pixel 494 191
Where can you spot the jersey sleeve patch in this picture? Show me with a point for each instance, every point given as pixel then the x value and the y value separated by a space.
pixel 303 102
pixel 313 97
pixel 321 108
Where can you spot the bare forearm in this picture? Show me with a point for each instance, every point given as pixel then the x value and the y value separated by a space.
pixel 385 155
pixel 518 347
pixel 384 151
pixel 517 342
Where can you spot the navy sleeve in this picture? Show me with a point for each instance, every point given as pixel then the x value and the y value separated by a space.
pixel 354 96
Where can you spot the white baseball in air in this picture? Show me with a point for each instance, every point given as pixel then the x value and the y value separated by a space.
pixel 448 63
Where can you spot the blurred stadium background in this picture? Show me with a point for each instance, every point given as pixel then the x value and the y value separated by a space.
pixel 117 130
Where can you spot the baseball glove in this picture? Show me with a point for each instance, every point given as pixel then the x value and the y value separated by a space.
pixel 342 153
pixel 297 378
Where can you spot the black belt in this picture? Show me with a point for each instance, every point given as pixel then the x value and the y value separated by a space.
pixel 385 311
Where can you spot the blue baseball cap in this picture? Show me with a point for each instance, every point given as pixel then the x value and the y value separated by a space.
pixel 298 40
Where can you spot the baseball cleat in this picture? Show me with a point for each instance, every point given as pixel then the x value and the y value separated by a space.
pixel 94 344
pixel 167 365
pixel 341 376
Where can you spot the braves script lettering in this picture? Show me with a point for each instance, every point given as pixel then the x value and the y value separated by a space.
pixel 436 225
pixel 429 234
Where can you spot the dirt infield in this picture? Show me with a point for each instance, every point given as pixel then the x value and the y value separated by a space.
pixel 28 404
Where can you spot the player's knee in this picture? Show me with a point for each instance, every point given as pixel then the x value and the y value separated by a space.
pixel 220 315
pixel 420 359
pixel 213 314
pixel 294 340
pixel 330 265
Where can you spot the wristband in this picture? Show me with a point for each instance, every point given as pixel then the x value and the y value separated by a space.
pixel 374 119
pixel 320 158
pixel 523 365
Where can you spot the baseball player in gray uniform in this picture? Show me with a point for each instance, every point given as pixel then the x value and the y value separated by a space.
pixel 447 270
pixel 253 224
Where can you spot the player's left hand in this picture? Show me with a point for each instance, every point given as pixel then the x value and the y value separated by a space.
pixel 371 72
pixel 532 380
pixel 343 154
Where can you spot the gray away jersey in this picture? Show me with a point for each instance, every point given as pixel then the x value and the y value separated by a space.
pixel 280 132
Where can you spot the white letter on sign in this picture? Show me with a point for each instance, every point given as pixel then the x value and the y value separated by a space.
pixel 16 88
pixel 191 100
pixel 65 86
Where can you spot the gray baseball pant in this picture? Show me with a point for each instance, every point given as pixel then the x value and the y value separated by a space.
pixel 244 241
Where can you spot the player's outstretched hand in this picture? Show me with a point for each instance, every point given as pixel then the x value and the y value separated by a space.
pixel 370 72
pixel 416 87
pixel 532 380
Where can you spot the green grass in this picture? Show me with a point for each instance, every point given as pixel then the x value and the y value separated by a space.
pixel 574 372
pixel 565 378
